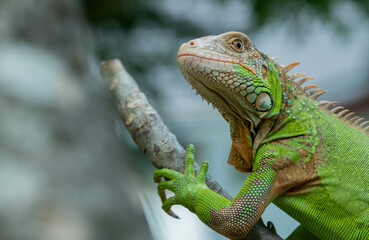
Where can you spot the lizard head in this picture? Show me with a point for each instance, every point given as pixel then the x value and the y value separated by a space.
pixel 241 82
pixel 229 72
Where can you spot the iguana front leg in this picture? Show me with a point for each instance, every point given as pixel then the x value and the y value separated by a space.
pixel 231 219
pixel 186 186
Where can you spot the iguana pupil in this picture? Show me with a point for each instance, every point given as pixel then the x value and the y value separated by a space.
pixel 238 44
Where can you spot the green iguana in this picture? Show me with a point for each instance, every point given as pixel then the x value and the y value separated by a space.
pixel 308 158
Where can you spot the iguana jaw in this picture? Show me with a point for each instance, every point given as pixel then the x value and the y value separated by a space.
pixel 214 93
pixel 211 96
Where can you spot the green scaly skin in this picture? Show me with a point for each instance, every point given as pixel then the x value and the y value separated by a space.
pixel 310 161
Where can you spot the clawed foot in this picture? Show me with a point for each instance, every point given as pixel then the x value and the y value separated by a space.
pixel 184 186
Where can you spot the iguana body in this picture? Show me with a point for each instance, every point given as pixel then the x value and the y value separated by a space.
pixel 310 160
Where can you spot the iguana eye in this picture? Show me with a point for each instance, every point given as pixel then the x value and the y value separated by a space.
pixel 238 45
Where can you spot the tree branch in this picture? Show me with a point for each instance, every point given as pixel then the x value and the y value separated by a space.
pixel 152 136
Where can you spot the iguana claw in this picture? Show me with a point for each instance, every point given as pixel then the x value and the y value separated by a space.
pixel 163 196
pixel 166 207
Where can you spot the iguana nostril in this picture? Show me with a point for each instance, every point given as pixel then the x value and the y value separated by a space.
pixel 192 43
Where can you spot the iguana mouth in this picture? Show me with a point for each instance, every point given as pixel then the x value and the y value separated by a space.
pixel 217 60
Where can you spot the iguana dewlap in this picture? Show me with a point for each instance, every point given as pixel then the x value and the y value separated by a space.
pixel 312 161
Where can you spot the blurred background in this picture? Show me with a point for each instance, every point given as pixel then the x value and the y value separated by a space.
pixel 68 168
